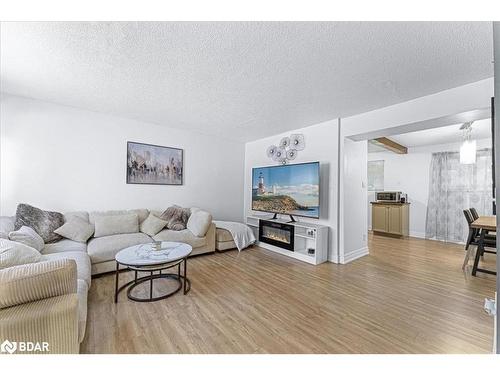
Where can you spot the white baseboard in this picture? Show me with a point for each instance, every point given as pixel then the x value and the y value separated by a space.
pixel 411 234
pixel 353 255
pixel 417 234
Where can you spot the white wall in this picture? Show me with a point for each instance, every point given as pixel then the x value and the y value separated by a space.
pixel 61 158
pixel 321 145
pixel 354 242
pixel 409 173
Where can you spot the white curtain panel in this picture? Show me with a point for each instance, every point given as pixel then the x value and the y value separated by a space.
pixel 453 188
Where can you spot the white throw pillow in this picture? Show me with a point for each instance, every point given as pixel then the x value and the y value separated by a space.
pixel 76 229
pixel 27 236
pixel 199 222
pixel 116 224
pixel 152 225
pixel 15 253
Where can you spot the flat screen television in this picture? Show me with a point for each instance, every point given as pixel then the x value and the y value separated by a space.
pixel 291 189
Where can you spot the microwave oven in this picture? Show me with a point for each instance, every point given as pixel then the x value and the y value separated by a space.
pixel 389 196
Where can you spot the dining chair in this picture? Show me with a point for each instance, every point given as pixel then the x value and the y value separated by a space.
pixel 471 237
pixel 474 213
pixel 473 232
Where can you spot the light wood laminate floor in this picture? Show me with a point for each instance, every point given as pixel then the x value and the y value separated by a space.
pixel 407 296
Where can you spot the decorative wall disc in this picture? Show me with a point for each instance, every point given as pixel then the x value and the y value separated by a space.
pixel 297 142
pixel 287 149
pixel 285 142
pixel 271 150
pixel 291 154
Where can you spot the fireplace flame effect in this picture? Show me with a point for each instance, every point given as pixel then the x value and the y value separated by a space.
pixel 276 236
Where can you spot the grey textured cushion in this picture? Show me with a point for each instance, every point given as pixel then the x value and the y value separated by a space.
pixel 176 217
pixel 103 249
pixel 64 246
pixel 199 222
pixel 184 236
pixel 27 236
pixel 43 222
pixel 15 253
pixel 152 225
pixel 81 259
pixel 76 229
pixel 116 224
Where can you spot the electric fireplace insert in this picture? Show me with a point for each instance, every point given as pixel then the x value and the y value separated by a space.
pixel 277 234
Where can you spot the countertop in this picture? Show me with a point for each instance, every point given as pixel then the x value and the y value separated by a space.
pixel 385 203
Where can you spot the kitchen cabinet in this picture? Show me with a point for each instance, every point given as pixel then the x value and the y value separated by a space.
pixel 390 218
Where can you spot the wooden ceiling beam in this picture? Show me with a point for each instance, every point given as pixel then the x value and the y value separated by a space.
pixel 391 145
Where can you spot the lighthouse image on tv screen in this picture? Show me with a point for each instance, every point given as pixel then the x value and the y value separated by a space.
pixel 287 189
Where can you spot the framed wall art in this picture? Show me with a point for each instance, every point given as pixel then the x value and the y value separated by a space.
pixel 154 165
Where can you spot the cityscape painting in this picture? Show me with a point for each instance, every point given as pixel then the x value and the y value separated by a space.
pixel 151 164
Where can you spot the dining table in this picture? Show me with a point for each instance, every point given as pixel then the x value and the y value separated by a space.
pixel 485 224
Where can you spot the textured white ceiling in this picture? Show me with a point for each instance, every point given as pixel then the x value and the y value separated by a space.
pixel 240 80
pixel 481 129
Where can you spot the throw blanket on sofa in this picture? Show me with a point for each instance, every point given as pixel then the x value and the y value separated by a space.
pixel 242 234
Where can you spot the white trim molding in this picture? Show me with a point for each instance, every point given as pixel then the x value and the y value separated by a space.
pixel 353 255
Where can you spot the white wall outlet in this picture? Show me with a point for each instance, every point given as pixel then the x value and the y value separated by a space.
pixel 490 306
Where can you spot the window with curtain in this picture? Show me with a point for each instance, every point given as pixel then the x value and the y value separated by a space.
pixel 454 187
pixel 376 175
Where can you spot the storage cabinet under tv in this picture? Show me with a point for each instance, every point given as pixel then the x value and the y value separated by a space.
pixel 304 241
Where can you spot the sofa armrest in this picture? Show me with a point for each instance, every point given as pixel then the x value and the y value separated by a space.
pixel 36 281
pixel 51 322
pixel 210 235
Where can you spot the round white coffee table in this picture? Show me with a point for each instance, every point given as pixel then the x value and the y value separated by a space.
pixel 144 258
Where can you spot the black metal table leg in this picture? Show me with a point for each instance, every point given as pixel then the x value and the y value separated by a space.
pixel 116 281
pixel 151 286
pixel 185 275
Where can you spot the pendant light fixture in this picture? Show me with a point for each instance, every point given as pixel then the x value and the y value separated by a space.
pixel 468 148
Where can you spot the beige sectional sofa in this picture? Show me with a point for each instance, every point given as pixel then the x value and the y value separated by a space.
pixel 224 240
pixel 95 257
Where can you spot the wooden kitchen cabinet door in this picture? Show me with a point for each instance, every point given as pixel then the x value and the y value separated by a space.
pixel 394 220
pixel 379 218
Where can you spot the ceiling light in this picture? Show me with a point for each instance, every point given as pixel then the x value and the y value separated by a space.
pixel 468 148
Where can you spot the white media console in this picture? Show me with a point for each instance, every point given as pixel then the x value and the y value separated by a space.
pixel 309 241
